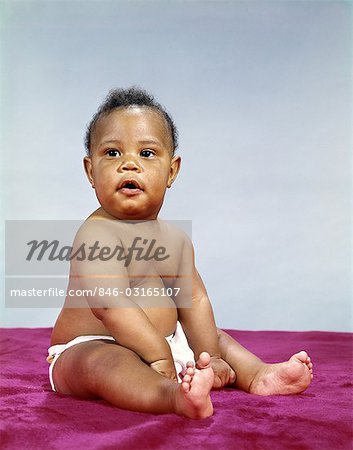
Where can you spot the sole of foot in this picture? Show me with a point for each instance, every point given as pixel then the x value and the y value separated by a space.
pixel 290 377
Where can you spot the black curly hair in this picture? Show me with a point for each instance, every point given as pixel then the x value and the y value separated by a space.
pixel 124 98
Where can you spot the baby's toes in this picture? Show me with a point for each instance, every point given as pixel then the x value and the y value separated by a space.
pixel 190 371
pixel 190 364
pixel 310 367
pixel 186 383
pixel 203 361
pixel 302 356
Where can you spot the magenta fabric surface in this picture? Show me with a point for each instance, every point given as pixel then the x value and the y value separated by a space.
pixel 33 417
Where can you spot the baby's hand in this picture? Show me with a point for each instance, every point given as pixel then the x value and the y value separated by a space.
pixel 223 373
pixel 166 368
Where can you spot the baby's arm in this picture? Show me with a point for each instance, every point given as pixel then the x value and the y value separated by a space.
pixel 121 315
pixel 200 329
pixel 198 320
pixel 131 328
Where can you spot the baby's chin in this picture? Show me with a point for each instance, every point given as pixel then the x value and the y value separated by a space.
pixel 129 214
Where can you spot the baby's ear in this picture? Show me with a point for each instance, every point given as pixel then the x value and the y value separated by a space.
pixel 87 164
pixel 174 170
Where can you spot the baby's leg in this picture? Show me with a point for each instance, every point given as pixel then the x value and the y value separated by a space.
pixel 257 377
pixel 104 369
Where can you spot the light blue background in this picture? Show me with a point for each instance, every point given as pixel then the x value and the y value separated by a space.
pixel 262 96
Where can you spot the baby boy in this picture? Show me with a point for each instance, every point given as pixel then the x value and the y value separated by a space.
pixel 160 356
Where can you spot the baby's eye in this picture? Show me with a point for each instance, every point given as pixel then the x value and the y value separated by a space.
pixel 147 153
pixel 113 153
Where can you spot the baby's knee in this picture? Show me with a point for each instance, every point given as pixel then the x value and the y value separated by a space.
pixel 75 370
pixel 102 358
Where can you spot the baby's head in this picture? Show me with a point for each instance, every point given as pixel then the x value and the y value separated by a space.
pixel 130 98
pixel 131 143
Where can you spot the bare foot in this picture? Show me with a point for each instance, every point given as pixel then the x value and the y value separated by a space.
pixel 193 394
pixel 290 377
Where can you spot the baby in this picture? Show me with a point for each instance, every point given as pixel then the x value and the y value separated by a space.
pixel 159 354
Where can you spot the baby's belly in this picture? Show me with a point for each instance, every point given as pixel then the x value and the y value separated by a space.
pixel 73 322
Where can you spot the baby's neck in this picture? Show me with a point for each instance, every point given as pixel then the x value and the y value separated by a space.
pixel 101 213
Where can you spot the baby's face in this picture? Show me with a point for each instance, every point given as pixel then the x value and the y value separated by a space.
pixel 131 163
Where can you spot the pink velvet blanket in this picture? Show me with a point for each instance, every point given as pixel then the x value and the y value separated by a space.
pixel 33 417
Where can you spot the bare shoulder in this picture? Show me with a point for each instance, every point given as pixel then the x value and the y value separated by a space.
pixel 175 232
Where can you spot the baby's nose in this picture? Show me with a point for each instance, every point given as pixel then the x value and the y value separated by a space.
pixel 129 164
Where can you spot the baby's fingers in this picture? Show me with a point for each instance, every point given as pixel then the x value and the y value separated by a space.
pixel 217 383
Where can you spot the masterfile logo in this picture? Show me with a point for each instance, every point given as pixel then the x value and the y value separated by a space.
pixel 97 259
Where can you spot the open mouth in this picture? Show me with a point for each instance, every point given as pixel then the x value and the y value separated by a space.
pixel 130 187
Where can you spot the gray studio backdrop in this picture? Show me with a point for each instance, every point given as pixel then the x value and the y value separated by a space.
pixel 261 93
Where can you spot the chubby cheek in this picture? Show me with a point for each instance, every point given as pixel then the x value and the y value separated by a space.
pixel 159 178
pixel 104 187
pixel 104 178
